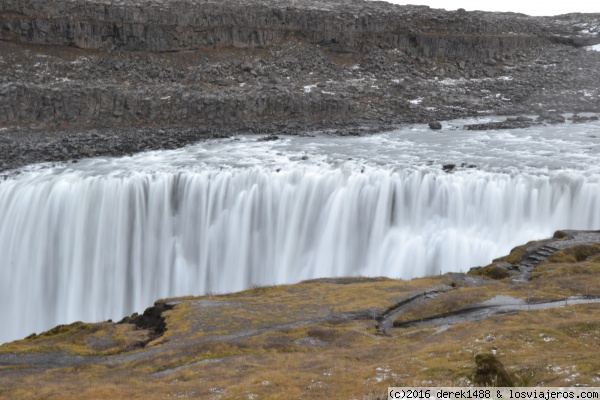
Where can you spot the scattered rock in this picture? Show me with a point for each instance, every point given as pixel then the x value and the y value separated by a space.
pixel 268 138
pixel 448 167
pixel 435 125
pixel 491 372
pixel 509 123
pixel 246 67
pixel 581 119
pixel 556 119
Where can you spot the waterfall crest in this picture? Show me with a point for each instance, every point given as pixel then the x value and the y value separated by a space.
pixel 76 247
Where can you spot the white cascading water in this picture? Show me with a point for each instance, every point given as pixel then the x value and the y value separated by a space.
pixel 81 245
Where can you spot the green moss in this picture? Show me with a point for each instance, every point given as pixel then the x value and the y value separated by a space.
pixel 517 253
pixel 66 329
pixel 492 271
pixel 575 254
pixel 584 252
pixel 560 235
pixel 80 338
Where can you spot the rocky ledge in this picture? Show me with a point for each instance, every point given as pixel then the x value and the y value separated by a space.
pixel 162 73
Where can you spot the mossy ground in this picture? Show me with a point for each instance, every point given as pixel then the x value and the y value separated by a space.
pixel 80 338
pixel 318 339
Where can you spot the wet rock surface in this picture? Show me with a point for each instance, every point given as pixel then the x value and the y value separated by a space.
pixel 155 75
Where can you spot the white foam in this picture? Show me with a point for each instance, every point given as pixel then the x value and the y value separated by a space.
pixel 106 237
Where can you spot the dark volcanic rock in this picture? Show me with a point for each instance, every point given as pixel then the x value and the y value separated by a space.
pixel 435 125
pixel 491 372
pixel 268 138
pixel 271 67
pixel 151 320
pixel 150 25
pixel 513 123
pixel 448 167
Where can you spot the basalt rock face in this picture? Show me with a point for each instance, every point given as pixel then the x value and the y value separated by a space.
pixel 347 26
pixel 110 106
pixel 275 66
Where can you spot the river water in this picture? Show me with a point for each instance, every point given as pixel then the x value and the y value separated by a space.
pixel 105 237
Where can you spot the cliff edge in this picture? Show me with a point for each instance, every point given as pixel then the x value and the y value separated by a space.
pixel 202 68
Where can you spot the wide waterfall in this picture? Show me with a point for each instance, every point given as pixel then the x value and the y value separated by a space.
pixel 103 238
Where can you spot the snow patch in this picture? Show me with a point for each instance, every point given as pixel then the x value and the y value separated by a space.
pixel 547 338
pixel 571 378
pixel 309 88
pixel 452 82
pixel 382 374
pixel 594 48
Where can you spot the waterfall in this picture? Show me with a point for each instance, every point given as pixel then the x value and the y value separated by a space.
pixel 77 246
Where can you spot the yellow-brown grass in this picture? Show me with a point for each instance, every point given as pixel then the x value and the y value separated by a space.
pixel 297 341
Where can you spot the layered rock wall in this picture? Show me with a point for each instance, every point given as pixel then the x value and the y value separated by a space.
pixel 111 106
pixel 240 63
pixel 182 25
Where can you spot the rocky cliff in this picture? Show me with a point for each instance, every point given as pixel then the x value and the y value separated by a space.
pixel 261 65
pixel 347 26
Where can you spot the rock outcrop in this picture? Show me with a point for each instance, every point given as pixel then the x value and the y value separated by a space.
pixel 491 372
pixel 346 26
pixel 266 66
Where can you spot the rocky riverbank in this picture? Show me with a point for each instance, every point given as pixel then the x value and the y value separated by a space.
pixel 152 75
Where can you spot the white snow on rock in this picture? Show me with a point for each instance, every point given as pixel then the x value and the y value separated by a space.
pixel 594 48
pixel 309 88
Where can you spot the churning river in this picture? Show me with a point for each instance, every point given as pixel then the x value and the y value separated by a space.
pixel 105 237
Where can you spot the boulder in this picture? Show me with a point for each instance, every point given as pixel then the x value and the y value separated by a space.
pixel 491 372
pixel 448 167
pixel 435 125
